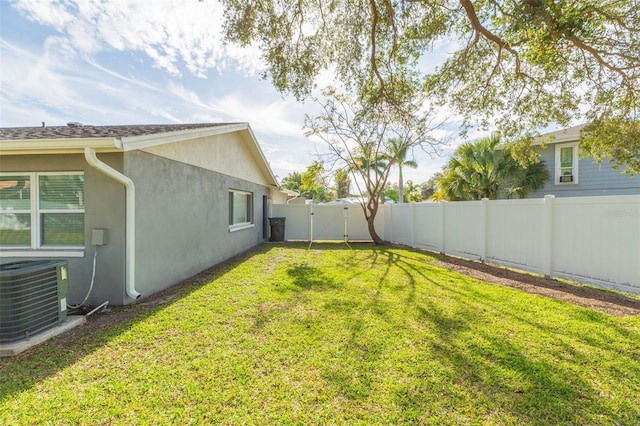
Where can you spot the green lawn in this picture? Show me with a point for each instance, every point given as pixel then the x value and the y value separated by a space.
pixel 332 335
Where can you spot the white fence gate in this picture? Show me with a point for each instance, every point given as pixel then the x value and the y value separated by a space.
pixel 310 222
pixel 587 239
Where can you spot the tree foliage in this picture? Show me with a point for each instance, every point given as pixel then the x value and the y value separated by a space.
pixel 412 193
pixel 315 183
pixel 311 184
pixel 520 65
pixel 617 139
pixel 430 188
pixel 399 152
pixel 479 170
pixel 342 182
pixel 292 181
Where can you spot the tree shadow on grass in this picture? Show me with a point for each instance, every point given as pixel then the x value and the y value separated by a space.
pixel 488 365
pixel 308 277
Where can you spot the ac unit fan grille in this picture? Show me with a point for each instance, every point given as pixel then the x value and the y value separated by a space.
pixel 29 298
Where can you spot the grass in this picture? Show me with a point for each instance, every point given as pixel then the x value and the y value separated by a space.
pixel 332 335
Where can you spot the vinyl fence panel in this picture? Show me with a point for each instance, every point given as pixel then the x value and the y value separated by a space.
pixel 464 229
pixel 597 239
pixel 427 228
pixel 514 233
pixel 402 223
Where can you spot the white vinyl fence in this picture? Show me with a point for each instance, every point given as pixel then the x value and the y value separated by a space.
pixel 587 239
pixel 310 222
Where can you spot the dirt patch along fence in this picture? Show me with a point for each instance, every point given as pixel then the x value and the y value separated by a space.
pixel 594 240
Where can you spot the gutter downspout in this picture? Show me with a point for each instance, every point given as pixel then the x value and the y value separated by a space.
pixel 130 219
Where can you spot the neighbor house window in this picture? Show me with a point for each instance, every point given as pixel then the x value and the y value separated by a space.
pixel 42 210
pixel 566 164
pixel 240 209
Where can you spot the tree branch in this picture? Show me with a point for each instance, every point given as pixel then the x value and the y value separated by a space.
pixel 374 27
pixel 596 55
pixel 480 29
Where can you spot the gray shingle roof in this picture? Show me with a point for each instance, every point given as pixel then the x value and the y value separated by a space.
pixel 71 132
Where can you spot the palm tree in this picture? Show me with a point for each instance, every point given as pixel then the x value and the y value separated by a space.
pixel 343 183
pixel 480 170
pixel 397 155
pixel 530 179
pixel 370 164
pixel 293 181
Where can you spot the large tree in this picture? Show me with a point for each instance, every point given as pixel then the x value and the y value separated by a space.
pixel 358 137
pixel 483 169
pixel 518 64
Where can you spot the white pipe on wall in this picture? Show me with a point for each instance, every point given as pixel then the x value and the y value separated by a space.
pixel 130 220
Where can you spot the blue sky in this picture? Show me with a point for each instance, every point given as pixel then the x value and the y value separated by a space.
pixel 118 62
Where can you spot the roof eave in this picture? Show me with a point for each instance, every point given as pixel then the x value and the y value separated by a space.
pixel 58 146
pixel 132 143
pixel 571 134
pixel 262 159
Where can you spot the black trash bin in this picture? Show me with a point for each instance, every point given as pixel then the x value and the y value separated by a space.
pixel 277 228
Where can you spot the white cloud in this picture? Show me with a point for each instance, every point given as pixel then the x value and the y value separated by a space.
pixel 173 33
pixel 45 13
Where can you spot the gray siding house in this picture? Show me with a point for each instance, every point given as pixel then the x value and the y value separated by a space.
pixel 141 207
pixel 572 176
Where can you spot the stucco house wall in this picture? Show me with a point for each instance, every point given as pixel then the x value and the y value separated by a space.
pixel 182 214
pixel 182 175
pixel 104 209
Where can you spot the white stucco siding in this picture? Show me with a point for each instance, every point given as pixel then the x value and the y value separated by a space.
pixel 228 153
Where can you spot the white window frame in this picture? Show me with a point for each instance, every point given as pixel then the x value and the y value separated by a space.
pixel 559 147
pixel 36 248
pixel 241 225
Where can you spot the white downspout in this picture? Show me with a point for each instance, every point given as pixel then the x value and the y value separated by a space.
pixel 130 220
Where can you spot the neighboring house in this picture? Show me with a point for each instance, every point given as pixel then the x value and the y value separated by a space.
pixel 572 176
pixel 155 203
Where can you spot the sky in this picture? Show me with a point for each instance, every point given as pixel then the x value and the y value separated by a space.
pixel 116 62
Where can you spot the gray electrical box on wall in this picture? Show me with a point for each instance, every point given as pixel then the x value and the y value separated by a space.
pixel 99 237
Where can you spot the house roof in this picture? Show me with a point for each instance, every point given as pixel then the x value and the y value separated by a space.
pixel 563 135
pixel 75 137
pixel 77 130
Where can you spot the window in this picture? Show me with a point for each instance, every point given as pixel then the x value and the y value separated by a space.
pixel 42 210
pixel 240 209
pixel 566 164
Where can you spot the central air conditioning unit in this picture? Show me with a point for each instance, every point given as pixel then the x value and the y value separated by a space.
pixel 33 297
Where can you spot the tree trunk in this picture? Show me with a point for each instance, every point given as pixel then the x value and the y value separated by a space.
pixel 400 185
pixel 372 231
pixel 371 210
